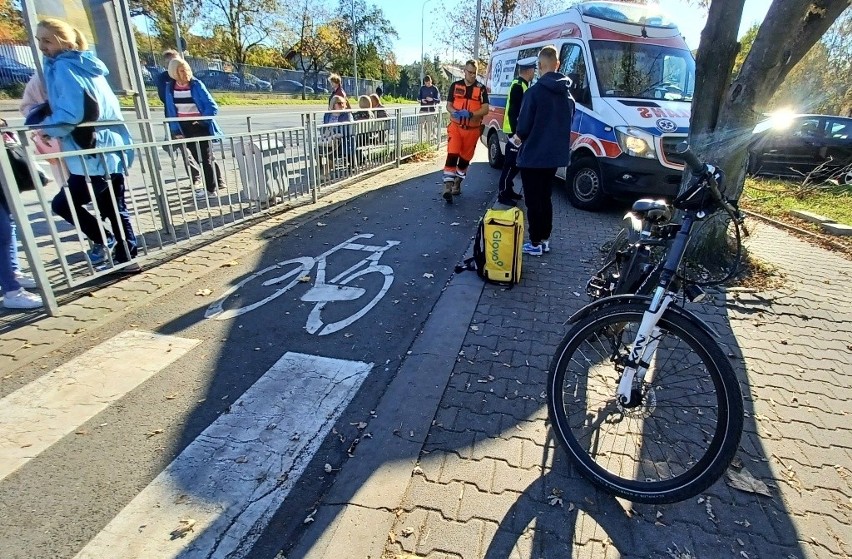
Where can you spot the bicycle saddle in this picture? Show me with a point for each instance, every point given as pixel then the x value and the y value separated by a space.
pixel 655 211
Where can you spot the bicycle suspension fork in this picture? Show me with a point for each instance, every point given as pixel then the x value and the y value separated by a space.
pixel 648 336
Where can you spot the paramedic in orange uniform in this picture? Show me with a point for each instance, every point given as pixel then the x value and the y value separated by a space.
pixel 467 103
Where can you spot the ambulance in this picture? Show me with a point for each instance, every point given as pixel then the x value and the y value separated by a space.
pixel 632 79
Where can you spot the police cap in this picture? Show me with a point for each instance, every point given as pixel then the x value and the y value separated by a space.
pixel 527 63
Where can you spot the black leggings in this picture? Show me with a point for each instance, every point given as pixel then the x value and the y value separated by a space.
pixel 118 216
pixel 202 152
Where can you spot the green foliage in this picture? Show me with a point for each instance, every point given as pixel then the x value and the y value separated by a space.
pixel 373 40
pixel 746 41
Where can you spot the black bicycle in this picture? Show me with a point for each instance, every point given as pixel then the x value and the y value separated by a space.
pixel 640 393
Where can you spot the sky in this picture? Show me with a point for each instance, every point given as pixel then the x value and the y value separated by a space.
pixel 405 17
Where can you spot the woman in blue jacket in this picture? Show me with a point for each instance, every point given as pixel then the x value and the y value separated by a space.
pixel 187 97
pixel 77 91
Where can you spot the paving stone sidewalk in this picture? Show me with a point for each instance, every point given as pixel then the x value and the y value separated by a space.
pixel 489 464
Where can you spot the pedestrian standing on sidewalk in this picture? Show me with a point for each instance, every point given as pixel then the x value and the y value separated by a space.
pixel 467 103
pixel 78 93
pixel 505 191
pixel 163 81
pixel 187 97
pixel 544 128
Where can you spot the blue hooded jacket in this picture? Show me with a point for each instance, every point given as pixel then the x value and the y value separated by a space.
pixel 203 100
pixel 66 76
pixel 544 124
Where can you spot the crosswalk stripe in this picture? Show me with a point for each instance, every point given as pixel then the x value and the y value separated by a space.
pixel 219 494
pixel 39 414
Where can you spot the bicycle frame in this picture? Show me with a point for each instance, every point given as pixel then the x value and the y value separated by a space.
pixel 647 337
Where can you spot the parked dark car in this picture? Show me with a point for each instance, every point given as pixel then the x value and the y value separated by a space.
pixel 216 79
pixel 291 86
pixel 12 71
pixel 796 146
pixel 257 83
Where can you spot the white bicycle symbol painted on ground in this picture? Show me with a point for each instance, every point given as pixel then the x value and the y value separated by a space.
pixel 322 292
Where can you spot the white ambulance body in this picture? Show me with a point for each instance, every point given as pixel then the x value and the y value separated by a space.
pixel 633 79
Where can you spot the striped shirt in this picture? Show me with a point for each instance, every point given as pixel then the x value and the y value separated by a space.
pixel 184 102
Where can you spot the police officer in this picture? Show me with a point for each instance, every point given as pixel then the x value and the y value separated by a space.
pixel 526 70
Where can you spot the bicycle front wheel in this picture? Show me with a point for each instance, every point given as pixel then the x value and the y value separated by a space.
pixel 682 427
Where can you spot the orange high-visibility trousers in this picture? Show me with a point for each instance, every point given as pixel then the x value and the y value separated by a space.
pixel 462 142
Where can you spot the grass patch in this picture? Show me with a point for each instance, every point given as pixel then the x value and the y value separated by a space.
pixel 775 198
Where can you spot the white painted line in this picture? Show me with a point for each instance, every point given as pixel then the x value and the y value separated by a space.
pixel 218 495
pixel 39 414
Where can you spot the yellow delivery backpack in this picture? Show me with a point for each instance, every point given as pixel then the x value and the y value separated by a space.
pixel 497 254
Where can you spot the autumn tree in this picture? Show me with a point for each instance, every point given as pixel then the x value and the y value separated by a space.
pixel 317 41
pixel 159 23
pixel 11 22
pixel 244 25
pixel 373 40
pixel 497 15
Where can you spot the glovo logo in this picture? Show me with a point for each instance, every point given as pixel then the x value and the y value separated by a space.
pixel 496 239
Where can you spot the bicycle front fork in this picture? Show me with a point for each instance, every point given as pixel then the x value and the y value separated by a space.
pixel 644 348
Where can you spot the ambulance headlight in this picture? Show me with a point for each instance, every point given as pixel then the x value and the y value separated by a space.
pixel 635 142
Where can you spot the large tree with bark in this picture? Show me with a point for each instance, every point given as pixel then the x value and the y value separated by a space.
pixel 726 108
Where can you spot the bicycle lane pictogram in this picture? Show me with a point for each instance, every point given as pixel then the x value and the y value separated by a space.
pixel 322 292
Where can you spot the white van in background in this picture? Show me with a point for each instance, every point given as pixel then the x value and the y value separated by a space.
pixel 633 79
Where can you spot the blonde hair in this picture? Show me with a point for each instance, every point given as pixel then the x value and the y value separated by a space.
pixel 364 102
pixel 375 101
pixel 176 63
pixel 68 37
pixel 334 78
pixel 549 53
pixel 335 99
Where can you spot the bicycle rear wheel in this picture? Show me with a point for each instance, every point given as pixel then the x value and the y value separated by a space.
pixel 681 431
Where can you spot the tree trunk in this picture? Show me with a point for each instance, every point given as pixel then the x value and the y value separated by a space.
pixel 790 29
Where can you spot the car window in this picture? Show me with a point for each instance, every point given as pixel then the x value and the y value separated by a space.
pixel 807 128
pixel 839 129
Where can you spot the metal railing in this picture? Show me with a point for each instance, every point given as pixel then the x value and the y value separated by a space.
pixel 259 171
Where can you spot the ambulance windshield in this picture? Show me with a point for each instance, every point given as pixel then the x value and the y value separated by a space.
pixel 643 71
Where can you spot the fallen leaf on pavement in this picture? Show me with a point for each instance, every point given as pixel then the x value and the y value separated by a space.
pixel 407 531
pixel 241 460
pixel 229 264
pixel 204 292
pixel 320 224
pixel 305 279
pixel 154 432
pixel 744 481
pixel 184 527
pixel 428 275
pixel 310 518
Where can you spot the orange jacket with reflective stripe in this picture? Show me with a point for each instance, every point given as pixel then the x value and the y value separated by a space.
pixel 469 98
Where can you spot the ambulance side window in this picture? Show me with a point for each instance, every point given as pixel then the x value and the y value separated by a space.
pixel 526 53
pixel 573 64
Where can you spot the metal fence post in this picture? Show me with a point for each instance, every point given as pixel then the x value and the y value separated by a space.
pixel 311 157
pixel 398 147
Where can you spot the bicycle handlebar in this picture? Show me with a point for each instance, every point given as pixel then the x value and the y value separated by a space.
pixel 706 172
pixel 690 159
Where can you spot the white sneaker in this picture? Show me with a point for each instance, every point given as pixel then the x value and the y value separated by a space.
pixel 25 280
pixel 21 299
pixel 545 245
pixel 201 194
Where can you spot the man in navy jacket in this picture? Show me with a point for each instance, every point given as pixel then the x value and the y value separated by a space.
pixel 544 128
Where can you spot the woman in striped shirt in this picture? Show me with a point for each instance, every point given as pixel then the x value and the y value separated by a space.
pixel 187 97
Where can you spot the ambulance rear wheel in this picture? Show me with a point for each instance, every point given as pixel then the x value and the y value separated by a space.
pixel 585 185
pixel 495 156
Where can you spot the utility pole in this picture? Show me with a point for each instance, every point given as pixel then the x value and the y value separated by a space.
pixel 422 35
pixel 355 48
pixel 476 33
pixel 178 39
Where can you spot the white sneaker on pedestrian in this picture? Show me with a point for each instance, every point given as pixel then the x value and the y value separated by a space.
pixel 25 280
pixel 201 194
pixel 21 299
